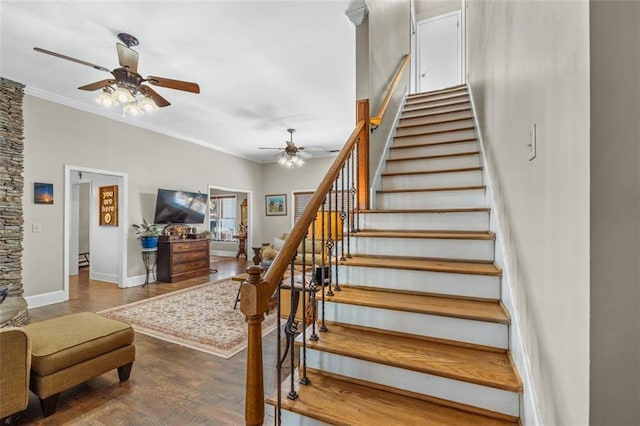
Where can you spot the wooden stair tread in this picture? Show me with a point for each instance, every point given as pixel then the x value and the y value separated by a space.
pixel 336 401
pixel 437 91
pixel 445 235
pixel 473 268
pixel 478 310
pixel 453 188
pixel 456 210
pixel 421 107
pixel 451 120
pixel 444 97
pixel 434 132
pixel 431 157
pixel 473 365
pixel 429 172
pixel 422 145
pixel 464 109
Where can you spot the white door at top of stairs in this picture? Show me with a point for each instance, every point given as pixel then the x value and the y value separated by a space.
pixel 439 52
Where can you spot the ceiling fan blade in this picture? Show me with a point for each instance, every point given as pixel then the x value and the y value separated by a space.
pixel 127 57
pixel 262 147
pixel 159 100
pixel 304 154
pixel 97 85
pixel 69 58
pixel 174 84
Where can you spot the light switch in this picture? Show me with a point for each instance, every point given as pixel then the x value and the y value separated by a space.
pixel 36 227
pixel 532 142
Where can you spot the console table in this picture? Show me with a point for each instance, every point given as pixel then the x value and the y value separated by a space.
pixel 183 259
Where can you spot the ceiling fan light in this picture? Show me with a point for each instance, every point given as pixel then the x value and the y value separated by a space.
pixel 123 95
pixel 282 160
pixel 132 109
pixel 106 99
pixel 300 161
pixel 147 105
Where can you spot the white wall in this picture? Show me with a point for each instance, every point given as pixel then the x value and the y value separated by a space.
pixel 56 135
pixel 105 241
pixel 278 179
pixel 528 62
pixel 615 213
pixel 426 9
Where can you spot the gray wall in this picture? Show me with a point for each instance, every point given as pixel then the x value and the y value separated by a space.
pixel 426 9
pixel 528 62
pixel 56 135
pixel 615 213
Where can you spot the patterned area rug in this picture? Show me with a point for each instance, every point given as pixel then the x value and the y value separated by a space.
pixel 200 317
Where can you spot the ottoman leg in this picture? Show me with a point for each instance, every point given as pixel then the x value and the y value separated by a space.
pixel 124 372
pixel 49 404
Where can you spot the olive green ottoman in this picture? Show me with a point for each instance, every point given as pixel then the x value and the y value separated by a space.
pixel 72 349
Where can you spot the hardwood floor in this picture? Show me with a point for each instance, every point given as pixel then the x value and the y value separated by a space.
pixel 169 384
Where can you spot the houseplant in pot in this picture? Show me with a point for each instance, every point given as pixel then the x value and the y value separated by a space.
pixel 148 234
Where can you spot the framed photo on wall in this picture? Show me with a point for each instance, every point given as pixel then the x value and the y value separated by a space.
pixel 275 205
pixel 42 193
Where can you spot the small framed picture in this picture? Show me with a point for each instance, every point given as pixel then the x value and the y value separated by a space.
pixel 276 204
pixel 42 193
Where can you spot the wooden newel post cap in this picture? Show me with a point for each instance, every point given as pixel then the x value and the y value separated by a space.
pixel 254 297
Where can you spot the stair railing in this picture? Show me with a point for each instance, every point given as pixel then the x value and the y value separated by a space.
pixel 377 119
pixel 340 197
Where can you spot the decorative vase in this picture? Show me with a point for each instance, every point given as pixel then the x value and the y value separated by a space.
pixel 149 242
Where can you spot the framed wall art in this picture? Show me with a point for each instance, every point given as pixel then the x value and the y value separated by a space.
pixel 276 205
pixel 42 193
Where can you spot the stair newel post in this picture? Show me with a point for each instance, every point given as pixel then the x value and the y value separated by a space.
pixel 304 380
pixel 362 114
pixel 254 301
pixel 291 328
pixel 313 285
pixel 325 253
pixel 343 213
pixel 337 236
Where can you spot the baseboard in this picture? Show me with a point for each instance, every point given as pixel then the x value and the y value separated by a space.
pixel 135 280
pixel 45 299
pixel 98 276
pixel 530 410
pixel 224 253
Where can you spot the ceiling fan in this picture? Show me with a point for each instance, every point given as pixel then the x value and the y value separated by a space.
pixel 292 155
pixel 127 83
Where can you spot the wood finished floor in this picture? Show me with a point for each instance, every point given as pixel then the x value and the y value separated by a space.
pixel 169 384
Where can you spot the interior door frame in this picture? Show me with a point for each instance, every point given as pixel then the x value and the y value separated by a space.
pixel 250 205
pixel 461 46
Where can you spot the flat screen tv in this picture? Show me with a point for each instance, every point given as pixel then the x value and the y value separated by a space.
pixel 180 207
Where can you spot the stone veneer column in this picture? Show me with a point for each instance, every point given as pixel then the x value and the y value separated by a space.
pixel 13 311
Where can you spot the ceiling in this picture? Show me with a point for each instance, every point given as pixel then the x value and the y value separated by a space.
pixel 262 66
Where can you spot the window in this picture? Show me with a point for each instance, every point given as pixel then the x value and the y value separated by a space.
pixel 222 217
pixel 302 198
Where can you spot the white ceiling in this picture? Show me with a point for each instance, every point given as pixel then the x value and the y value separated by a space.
pixel 262 66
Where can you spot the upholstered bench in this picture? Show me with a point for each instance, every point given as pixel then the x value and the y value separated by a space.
pixel 72 349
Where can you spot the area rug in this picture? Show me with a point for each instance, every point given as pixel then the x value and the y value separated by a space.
pixel 200 317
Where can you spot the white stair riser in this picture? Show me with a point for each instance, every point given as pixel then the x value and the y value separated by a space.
pixel 430 150
pixel 436 137
pixel 444 108
pixel 417 130
pixel 435 96
pixel 444 283
pixel 437 117
pixel 433 180
pixel 493 399
pixel 480 250
pixel 436 102
pixel 431 164
pixel 441 327
pixel 468 198
pixel 447 221
pixel 294 419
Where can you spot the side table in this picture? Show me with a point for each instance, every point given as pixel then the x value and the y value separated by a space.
pixel 149 258
pixel 242 246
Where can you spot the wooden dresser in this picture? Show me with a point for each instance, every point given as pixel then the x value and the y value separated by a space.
pixel 183 259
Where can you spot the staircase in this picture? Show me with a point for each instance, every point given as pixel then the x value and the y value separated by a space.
pixel 418 334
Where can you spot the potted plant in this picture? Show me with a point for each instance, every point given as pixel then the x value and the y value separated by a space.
pixel 148 234
pixel 206 234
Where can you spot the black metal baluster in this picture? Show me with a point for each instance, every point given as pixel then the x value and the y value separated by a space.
pixel 323 327
pixel 313 283
pixel 279 355
pixel 343 213
pixel 292 327
pixel 337 236
pixel 330 244
pixel 349 226
pixel 355 189
pixel 304 380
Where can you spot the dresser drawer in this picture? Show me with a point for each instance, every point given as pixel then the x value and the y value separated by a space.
pixel 188 246
pixel 190 266
pixel 186 256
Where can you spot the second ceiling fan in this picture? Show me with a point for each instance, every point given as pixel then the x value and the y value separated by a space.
pixel 127 82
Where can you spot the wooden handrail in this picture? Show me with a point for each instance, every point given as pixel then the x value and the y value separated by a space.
pixel 375 121
pixel 256 293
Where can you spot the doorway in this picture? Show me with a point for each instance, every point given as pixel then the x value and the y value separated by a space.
pixel 106 245
pixel 439 52
pixel 230 220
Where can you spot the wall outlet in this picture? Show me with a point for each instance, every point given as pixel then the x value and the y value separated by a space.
pixel 36 227
pixel 532 142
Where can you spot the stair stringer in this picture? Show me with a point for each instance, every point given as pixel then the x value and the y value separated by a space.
pixel 529 407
